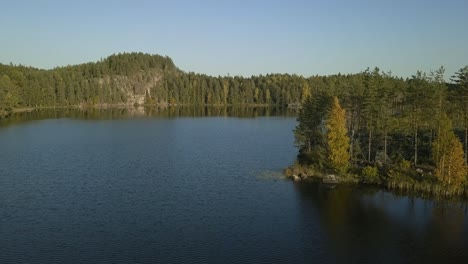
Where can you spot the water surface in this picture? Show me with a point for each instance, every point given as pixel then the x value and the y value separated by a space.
pixel 197 187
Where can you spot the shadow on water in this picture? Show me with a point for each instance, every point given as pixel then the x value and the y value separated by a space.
pixel 368 225
pixel 145 112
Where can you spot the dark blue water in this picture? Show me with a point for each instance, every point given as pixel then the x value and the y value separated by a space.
pixel 198 190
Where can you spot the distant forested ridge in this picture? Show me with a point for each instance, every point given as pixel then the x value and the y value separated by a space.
pixel 118 79
pixel 138 78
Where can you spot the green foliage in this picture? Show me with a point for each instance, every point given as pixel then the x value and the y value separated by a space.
pixel 303 171
pixel 404 164
pixel 398 121
pixel 370 175
pixel 310 131
pixel 8 93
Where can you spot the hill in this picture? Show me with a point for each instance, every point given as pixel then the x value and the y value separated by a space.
pixel 138 78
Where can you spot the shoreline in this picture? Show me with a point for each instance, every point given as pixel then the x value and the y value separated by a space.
pixel 403 181
pixel 4 113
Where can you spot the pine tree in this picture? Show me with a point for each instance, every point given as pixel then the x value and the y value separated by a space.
pixel 337 138
pixel 371 105
pixel 309 134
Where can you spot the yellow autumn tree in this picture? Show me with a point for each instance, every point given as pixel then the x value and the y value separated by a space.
pixel 305 91
pixel 337 138
pixel 447 152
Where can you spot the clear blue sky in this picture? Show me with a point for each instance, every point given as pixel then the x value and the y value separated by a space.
pixel 242 37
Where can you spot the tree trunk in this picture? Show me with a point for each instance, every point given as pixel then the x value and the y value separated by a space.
pixel 466 145
pixel 351 145
pixel 416 146
pixel 385 147
pixel 369 146
pixel 465 115
pixel 430 138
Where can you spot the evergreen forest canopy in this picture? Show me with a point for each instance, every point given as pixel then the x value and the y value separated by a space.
pixel 406 134
pixel 138 78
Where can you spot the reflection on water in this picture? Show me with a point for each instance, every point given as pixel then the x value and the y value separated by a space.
pixel 141 112
pixel 367 225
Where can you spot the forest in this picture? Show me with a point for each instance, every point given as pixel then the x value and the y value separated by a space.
pixel 144 79
pixel 385 128
pixel 372 127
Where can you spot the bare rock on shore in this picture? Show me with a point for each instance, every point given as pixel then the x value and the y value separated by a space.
pixel 296 178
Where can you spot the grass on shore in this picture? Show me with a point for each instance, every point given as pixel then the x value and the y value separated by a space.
pixel 399 177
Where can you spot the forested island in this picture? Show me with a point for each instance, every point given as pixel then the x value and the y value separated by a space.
pixel 409 135
pixel 370 127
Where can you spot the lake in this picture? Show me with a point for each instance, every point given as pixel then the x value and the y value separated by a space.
pixel 196 186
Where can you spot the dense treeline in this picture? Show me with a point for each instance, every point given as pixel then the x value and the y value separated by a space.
pixel 412 131
pixel 131 78
pixel 91 83
pixel 272 89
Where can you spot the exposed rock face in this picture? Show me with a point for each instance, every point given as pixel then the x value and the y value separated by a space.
pixel 135 87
